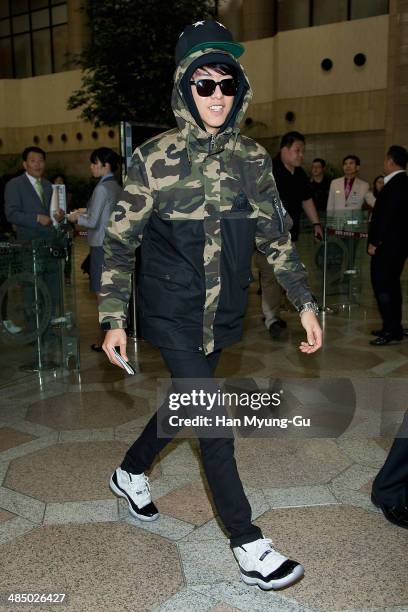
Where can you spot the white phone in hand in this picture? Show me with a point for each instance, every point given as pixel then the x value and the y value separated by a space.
pixel 125 364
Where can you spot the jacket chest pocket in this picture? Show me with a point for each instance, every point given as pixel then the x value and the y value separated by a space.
pixel 184 200
pixel 239 206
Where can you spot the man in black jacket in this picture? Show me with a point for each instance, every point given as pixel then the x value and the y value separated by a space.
pixel 387 245
pixel 296 195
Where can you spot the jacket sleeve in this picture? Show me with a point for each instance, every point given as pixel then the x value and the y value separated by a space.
pixel 330 200
pixel 365 189
pixel 97 203
pixel 273 240
pixel 389 217
pixel 124 235
pixel 373 227
pixel 369 198
pixel 14 207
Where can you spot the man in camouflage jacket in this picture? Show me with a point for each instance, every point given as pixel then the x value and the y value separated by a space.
pixel 196 200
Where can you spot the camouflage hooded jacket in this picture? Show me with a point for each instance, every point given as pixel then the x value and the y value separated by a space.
pixel 196 204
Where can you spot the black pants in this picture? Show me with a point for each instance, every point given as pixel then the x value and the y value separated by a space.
pixel 390 486
pixel 386 270
pixel 217 454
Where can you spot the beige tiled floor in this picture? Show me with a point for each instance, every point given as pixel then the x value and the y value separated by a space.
pixel 62 530
pixel 9 438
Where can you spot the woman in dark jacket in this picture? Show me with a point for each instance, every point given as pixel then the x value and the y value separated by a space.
pixel 95 217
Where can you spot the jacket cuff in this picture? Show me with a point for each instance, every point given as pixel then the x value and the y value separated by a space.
pixel 113 324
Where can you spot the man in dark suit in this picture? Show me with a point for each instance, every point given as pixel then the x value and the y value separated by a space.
pixel 27 207
pixel 387 245
pixel 390 487
pixel 28 199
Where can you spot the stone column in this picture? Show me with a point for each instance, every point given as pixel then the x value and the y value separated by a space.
pixel 77 26
pixel 396 119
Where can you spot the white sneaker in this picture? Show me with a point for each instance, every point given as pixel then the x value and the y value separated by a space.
pixel 261 564
pixel 135 488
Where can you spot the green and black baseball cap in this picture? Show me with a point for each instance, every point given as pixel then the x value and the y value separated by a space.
pixel 203 34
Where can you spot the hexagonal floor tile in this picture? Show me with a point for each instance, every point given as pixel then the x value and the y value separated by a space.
pixel 9 438
pixel 5 515
pixel 338 360
pixel 67 472
pixel 103 373
pixel 233 364
pixel 352 558
pixel 88 410
pixel 279 463
pixel 105 566
pixel 189 503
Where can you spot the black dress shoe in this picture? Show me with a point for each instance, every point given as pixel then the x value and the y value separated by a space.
pixel 282 323
pixel 275 330
pixel 385 339
pixel 377 332
pixel 397 515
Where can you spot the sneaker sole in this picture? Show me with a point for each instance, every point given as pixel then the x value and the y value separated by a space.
pixel 294 576
pixel 120 493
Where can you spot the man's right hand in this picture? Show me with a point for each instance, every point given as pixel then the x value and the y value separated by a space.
pixel 44 220
pixel 371 249
pixel 114 338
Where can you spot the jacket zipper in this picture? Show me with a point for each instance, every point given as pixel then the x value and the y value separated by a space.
pixel 211 143
pixel 278 209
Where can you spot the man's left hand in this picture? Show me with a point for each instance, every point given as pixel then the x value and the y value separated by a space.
pixel 314 333
pixel 73 216
pixel 59 215
pixel 318 232
pixel 371 249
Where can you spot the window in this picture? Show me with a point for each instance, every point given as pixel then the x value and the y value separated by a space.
pixel 40 19
pixel 41 47
pixel 6 59
pixel 60 40
pixel 18 6
pixel 368 8
pixel 293 14
pixel 4 9
pixel 329 12
pixel 59 14
pixel 33 37
pixel 5 27
pixel 37 4
pixel 22 55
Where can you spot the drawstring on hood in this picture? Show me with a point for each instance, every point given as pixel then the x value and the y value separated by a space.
pixel 188 144
pixel 185 110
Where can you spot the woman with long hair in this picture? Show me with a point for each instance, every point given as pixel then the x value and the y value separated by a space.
pixel 372 195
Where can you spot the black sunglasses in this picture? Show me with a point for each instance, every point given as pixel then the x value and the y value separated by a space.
pixel 206 87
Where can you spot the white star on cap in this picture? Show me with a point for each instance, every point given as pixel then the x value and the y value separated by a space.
pixel 198 23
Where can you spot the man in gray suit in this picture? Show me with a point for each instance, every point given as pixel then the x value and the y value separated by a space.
pixel 28 199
